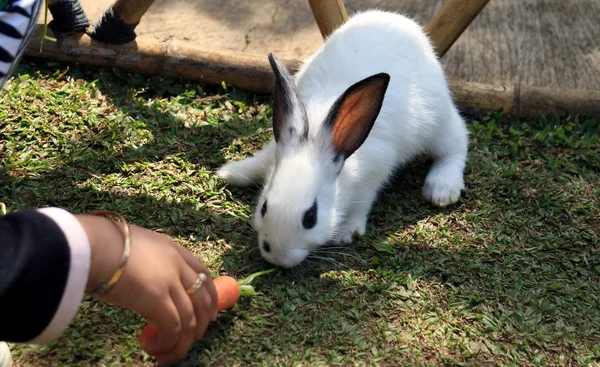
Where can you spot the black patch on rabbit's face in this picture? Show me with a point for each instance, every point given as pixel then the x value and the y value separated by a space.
pixel 266 246
pixel 263 210
pixel 310 216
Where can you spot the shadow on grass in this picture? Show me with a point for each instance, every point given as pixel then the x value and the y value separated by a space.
pixel 75 184
pixel 510 272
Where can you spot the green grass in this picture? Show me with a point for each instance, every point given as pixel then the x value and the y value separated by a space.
pixel 509 276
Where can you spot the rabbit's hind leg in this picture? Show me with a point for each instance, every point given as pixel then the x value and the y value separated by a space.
pixel 249 171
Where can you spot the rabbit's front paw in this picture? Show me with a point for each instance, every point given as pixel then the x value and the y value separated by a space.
pixel 355 225
pixel 442 191
pixel 344 236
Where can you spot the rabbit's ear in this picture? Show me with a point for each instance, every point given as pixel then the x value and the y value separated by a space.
pixel 352 116
pixel 290 124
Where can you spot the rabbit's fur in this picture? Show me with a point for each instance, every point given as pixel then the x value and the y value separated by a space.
pixel 370 100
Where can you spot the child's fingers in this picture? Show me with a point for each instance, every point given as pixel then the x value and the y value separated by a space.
pixel 179 352
pixel 165 318
pixel 199 300
pixel 209 285
pixel 185 308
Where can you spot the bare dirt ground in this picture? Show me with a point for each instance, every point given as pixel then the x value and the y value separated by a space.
pixel 550 43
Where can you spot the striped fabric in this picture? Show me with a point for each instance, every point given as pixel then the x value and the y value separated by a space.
pixel 17 22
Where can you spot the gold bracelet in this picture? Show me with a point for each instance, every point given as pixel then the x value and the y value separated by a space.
pixel 104 288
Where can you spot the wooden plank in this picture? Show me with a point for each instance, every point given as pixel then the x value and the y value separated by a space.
pixel 252 73
pixel 509 41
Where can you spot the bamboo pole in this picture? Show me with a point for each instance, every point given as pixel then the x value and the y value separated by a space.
pixel 483 96
pixel 153 57
pixel 525 101
pixel 535 101
pixel 253 73
pixel 451 21
pixel 329 15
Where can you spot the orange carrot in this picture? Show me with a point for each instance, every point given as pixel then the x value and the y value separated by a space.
pixel 148 333
pixel 228 290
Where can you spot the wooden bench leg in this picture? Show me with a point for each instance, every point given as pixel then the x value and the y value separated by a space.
pixel 329 14
pixel 119 21
pixel 67 17
pixel 451 21
pixel 131 11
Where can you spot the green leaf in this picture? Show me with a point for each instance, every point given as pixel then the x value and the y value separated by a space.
pixel 251 277
pixel 247 290
pixel 384 247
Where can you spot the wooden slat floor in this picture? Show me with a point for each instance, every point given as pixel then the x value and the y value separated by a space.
pixel 548 43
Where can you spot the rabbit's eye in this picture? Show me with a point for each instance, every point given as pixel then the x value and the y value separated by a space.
pixel 263 210
pixel 310 217
pixel 266 246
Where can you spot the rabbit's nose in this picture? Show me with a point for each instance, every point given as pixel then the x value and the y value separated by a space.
pixel 293 257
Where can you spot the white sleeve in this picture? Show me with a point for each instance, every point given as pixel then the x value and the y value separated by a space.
pixel 78 273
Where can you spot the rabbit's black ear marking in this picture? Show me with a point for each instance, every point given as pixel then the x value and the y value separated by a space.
pixel 290 123
pixel 353 114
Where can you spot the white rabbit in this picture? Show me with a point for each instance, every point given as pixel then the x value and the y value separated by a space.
pixel 371 99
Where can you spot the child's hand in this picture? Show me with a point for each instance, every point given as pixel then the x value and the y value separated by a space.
pixel 153 284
